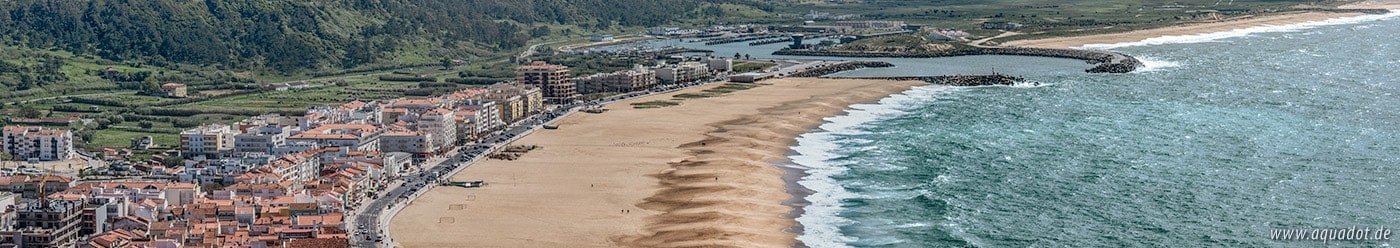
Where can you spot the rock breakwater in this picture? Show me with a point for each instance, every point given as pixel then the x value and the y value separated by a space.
pixel 1104 61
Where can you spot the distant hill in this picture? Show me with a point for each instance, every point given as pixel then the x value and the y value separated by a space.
pixel 293 35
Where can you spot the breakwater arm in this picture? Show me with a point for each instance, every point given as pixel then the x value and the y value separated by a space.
pixel 959 80
pixel 844 66
pixel 1104 61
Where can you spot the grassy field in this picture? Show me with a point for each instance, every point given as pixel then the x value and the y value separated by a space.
pixel 752 66
pixel 122 138
pixel 655 104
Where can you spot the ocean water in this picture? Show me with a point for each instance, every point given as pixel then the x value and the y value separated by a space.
pixel 1221 139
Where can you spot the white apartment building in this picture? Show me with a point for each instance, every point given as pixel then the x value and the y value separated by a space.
pixel 262 139
pixel 683 72
pixel 441 126
pixel 207 140
pixel 37 143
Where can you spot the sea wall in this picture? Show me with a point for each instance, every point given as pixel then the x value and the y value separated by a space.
pixel 1104 61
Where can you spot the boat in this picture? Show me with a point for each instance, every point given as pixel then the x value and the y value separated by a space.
pixel 551 127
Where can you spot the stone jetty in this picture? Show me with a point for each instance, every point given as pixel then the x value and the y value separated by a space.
pixel 843 66
pixel 1104 61
pixel 960 80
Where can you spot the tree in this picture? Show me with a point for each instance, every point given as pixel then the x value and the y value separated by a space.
pixel 30 112
pixel 746 56
pixel 173 161
pixel 736 55
pixel 146 124
pixel 446 63
pixel 5 156
pixel 540 31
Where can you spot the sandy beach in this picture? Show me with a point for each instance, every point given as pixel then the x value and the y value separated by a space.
pixel 700 174
pixel 1201 28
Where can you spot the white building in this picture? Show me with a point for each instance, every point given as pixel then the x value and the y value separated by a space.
pixel 37 143
pixel 683 72
pixel 207 140
pixel 261 139
pixel 413 142
pixel 485 114
pixel 720 64
pixel 361 137
pixel 637 79
pixel 441 126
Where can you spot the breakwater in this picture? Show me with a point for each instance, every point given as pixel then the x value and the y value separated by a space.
pixel 771 41
pixel 844 66
pixel 741 39
pixel 960 80
pixel 1104 61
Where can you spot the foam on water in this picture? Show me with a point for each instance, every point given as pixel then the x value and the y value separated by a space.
pixel 1151 64
pixel 1210 37
pixel 820 220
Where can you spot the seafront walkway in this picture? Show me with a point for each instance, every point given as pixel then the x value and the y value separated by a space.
pixel 376 216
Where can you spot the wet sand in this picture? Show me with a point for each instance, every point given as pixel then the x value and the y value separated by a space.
pixel 1202 28
pixel 700 174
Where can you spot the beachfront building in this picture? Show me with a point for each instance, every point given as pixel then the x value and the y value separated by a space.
pixel 636 79
pixel 404 141
pixel 441 126
pixel 531 98
pixel 720 64
pixel 474 121
pixel 683 72
pixel 553 81
pixel 31 143
pixel 509 107
pixel 361 137
pixel 208 141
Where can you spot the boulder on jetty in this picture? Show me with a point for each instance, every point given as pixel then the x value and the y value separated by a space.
pixel 844 66
pixel 1106 61
pixel 960 80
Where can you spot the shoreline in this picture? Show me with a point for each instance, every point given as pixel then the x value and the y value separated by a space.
pixel 704 173
pixel 1303 16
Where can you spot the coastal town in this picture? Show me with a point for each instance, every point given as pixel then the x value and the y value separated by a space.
pixel 574 131
pixel 294 181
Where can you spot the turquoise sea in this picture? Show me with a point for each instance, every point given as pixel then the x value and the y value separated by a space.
pixel 1222 138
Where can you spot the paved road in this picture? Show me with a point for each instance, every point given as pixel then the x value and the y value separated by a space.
pixel 371 220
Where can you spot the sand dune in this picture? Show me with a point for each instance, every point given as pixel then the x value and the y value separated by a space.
pixel 700 174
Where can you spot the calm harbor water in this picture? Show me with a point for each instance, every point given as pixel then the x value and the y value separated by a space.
pixel 1222 138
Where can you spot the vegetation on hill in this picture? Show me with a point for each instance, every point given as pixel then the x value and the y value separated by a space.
pixel 286 35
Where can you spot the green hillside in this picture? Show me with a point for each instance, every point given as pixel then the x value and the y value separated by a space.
pixel 290 36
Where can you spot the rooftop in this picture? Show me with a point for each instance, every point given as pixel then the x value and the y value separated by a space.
pixel 541 65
